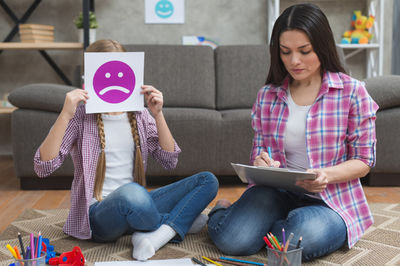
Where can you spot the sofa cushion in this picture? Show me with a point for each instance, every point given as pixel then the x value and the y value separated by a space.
pixel 184 74
pixel 41 96
pixel 241 71
pixel 385 90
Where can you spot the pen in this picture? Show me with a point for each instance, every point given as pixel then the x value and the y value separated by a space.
pixel 12 251
pixel 243 261
pixel 298 243
pixel 17 252
pixel 39 249
pixel 32 246
pixel 21 244
pixel 283 236
pixel 210 260
pixel 198 262
pixel 269 152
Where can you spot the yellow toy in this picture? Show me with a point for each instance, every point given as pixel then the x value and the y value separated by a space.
pixel 360 24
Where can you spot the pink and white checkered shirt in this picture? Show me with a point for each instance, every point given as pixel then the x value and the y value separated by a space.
pixel 340 126
pixel 82 141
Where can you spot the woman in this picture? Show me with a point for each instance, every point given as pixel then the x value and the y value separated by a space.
pixel 110 200
pixel 314 117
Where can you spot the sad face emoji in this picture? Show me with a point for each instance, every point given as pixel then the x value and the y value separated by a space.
pixel 114 82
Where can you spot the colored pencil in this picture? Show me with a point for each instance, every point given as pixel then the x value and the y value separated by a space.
pixel 198 262
pixel 242 261
pixel 210 260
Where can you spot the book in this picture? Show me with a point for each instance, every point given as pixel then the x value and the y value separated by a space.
pixel 36 27
pixel 272 176
pixel 37 32
pixel 36 37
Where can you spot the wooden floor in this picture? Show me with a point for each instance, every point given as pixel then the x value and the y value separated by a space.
pixel 13 200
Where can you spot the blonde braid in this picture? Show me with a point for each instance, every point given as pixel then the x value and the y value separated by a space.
pixel 138 175
pixel 101 162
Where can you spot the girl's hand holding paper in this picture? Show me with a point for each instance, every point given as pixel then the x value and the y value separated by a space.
pixel 72 100
pixel 154 99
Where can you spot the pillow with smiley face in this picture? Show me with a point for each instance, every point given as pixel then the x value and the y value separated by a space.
pixel 113 81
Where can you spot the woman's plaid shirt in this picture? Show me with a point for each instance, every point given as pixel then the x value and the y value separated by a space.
pixel 340 126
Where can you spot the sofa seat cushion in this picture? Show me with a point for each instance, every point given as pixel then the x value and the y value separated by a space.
pixel 385 90
pixel 41 96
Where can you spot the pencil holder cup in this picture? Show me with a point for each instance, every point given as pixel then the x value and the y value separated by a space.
pixel 291 257
pixel 39 261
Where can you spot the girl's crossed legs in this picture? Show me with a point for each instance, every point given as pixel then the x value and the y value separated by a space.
pixel 131 208
pixel 239 229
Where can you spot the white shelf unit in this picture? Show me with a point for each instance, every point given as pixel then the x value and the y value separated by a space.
pixel 374 66
pixel 374 50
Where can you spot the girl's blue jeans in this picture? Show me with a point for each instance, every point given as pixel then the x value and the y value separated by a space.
pixel 239 229
pixel 132 208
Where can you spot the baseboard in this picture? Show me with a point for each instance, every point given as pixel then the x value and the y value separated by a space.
pixel 50 183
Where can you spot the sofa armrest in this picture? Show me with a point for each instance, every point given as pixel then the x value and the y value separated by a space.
pixel 41 96
pixel 385 90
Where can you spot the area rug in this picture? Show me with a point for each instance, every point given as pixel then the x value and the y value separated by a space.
pixel 379 246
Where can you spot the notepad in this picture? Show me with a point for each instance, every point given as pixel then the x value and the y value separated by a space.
pixel 272 176
pixel 172 262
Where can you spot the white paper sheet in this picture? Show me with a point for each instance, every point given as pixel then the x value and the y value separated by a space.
pixel 172 262
pixel 113 81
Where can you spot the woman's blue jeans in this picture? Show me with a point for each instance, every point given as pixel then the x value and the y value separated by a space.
pixel 239 229
pixel 132 208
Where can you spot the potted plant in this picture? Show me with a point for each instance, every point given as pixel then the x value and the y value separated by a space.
pixel 78 21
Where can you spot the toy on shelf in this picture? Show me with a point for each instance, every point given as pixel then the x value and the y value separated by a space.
pixel 73 258
pixel 360 26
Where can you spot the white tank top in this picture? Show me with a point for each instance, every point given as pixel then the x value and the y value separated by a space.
pixel 295 136
pixel 119 152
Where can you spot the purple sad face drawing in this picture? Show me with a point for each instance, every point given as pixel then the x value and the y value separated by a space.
pixel 114 82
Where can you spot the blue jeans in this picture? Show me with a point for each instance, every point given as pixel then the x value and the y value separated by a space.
pixel 239 229
pixel 132 208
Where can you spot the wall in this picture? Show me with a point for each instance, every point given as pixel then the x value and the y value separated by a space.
pixel 229 21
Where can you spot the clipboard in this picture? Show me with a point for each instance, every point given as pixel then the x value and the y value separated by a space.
pixel 272 176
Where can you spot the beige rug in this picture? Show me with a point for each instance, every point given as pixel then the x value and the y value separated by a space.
pixel 379 246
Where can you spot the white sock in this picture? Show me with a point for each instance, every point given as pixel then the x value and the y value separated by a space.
pixel 145 244
pixel 198 223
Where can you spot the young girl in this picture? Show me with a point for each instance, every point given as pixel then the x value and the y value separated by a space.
pixel 109 151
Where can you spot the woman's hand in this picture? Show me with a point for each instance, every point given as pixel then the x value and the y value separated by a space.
pixel 264 160
pixel 72 99
pixel 154 99
pixel 316 185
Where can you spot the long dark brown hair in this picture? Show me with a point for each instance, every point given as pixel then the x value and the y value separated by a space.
pixel 309 19
pixel 139 174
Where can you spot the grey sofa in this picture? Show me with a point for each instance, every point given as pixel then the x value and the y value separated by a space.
pixel 208 97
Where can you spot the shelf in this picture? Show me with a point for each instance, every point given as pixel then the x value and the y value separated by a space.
pixel 358 46
pixel 41 46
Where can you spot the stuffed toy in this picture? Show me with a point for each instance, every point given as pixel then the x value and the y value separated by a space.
pixel 360 26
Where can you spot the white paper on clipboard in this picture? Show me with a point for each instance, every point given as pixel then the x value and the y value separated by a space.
pixel 272 176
